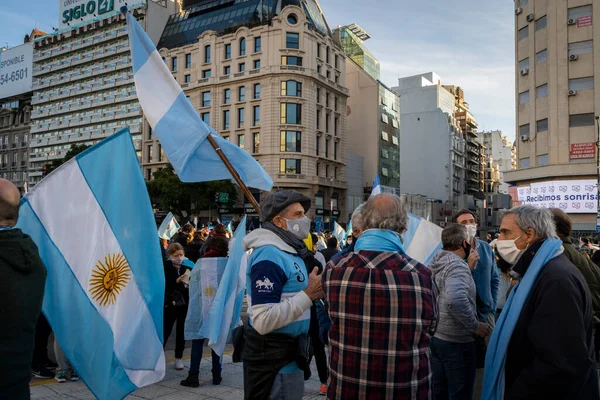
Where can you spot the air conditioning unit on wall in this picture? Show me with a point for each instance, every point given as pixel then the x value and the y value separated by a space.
pixel 571 21
pixel 530 17
pixel 524 138
pixel 518 10
pixel 573 57
pixel 524 71
pixel 572 93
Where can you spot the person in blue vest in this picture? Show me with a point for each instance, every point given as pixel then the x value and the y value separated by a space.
pixel 282 283
pixel 485 274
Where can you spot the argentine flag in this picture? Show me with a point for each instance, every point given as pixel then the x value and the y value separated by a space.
pixel 179 128
pixel 422 239
pixel 168 228
pixel 376 186
pixel 93 224
pixel 339 233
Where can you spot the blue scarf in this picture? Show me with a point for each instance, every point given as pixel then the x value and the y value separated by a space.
pixel 495 359
pixel 379 240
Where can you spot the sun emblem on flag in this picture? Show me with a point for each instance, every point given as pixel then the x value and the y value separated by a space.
pixel 109 278
pixel 209 291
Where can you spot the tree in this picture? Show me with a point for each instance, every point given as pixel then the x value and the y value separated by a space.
pixel 170 194
pixel 73 151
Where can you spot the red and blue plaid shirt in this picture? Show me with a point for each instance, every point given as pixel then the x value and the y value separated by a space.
pixel 383 311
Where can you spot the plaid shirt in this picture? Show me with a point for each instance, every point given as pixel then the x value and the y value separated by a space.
pixel 383 311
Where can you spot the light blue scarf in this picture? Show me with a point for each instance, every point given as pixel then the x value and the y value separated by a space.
pixel 495 359
pixel 379 240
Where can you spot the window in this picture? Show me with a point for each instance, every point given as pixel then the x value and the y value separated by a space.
pixel 256 64
pixel 256 93
pixel 318 119
pixel 524 33
pixel 524 97
pixel 328 75
pixel 188 61
pixel 149 132
pixel 205 117
pixel 291 88
pixel 240 115
pixel 318 146
pixel 291 141
pixel 395 123
pixel 384 171
pixel 292 40
pixel 581 83
pixel 327 122
pixel 385 153
pixel 523 3
pixel 385 136
pixel 541 91
pixel 256 142
pixel 327 147
pixel 227 96
pixel 242 67
pixel 292 19
pixel 226 119
pixel 289 166
pixel 242 93
pixel 541 56
pixel 577 120
pixel 542 159
pixel 207 53
pixel 327 55
pixel 578 48
pixel 336 123
pixel 187 78
pixel 541 125
pixel 291 113
pixel 206 73
pixel 384 118
pixel 227 70
pixel 318 95
pixel 227 51
pixel 174 64
pixel 257 45
pixel 524 162
pixel 318 50
pixel 540 23
pixel 205 99
pixel 578 12
pixel 150 154
pixel 242 47
pixel 291 60
pixel 524 64
pixel 161 153
pixel 255 115
pixel 395 140
pixel 336 62
pixel 524 131
pixel 335 150
pixel 241 141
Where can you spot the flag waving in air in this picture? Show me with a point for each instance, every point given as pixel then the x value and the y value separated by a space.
pixel 376 186
pixel 422 239
pixel 179 128
pixel 93 224
pixel 168 228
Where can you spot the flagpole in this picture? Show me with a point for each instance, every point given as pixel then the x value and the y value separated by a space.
pixel 234 173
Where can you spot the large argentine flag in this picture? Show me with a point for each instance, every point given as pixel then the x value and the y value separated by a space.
pixel 104 297
pixel 224 313
pixel 422 239
pixel 179 128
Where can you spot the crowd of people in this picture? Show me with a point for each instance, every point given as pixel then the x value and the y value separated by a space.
pixel 378 323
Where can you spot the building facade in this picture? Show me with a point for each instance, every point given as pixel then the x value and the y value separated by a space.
pixel 15 123
pixel 556 49
pixel 269 77
pixel 501 151
pixel 83 88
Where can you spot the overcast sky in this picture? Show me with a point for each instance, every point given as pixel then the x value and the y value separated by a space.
pixel 469 43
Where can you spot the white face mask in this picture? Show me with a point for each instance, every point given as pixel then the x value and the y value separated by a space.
pixel 472 229
pixel 509 251
pixel 177 260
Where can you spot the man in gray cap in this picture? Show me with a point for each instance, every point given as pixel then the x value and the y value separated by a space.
pixel 282 283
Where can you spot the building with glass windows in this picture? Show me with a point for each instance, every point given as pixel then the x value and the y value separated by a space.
pixel 83 88
pixel 556 48
pixel 269 76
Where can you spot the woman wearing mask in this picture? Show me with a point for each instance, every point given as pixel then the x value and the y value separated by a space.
pixel 177 279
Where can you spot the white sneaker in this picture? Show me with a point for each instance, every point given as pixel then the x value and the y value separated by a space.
pixel 178 364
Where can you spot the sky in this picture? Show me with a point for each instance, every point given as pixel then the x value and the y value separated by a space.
pixel 468 43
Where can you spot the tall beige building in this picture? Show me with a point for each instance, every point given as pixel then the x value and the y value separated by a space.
pixel 271 80
pixel 557 50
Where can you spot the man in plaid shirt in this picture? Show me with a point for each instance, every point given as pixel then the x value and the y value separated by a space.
pixel 383 309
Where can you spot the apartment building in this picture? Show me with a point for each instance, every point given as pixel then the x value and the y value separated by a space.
pixel 15 118
pixel 502 152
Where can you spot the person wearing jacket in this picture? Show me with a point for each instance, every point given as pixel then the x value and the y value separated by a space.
pixel 23 276
pixel 453 357
pixel 282 283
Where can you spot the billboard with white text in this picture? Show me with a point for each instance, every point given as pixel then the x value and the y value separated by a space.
pixel 573 197
pixel 75 12
pixel 15 70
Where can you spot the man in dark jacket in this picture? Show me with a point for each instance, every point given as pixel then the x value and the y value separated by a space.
pixel 23 276
pixel 551 351
pixel 331 250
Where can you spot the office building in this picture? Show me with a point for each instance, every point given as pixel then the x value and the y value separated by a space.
pixel 556 45
pixel 15 123
pixel 270 77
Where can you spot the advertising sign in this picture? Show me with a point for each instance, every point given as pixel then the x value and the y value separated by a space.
pixel 584 21
pixel 583 150
pixel 15 70
pixel 75 12
pixel 574 197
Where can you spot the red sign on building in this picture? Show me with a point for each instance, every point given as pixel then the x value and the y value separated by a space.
pixel 583 150
pixel 584 21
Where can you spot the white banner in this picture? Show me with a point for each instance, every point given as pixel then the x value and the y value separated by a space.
pixel 574 197
pixel 74 12
pixel 15 70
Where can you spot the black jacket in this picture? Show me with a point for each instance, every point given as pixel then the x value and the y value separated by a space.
pixel 329 252
pixel 22 280
pixel 171 285
pixel 551 352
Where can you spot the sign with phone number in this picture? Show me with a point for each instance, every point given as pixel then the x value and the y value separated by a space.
pixel 15 70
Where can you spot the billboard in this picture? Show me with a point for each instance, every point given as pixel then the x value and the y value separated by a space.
pixel 582 151
pixel 573 197
pixel 76 12
pixel 15 70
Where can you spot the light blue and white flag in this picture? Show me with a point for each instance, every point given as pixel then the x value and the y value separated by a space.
pixel 224 314
pixel 339 233
pixel 422 239
pixel 93 224
pixel 376 186
pixel 168 228
pixel 349 230
pixel 179 128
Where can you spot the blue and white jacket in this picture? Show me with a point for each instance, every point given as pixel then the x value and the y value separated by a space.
pixel 275 281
